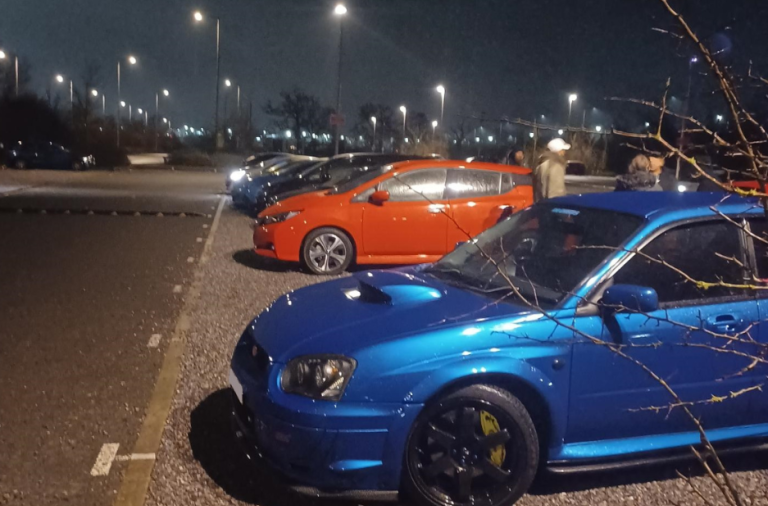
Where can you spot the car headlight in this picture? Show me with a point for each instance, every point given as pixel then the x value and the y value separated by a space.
pixel 277 218
pixel 237 175
pixel 322 377
pixel 681 188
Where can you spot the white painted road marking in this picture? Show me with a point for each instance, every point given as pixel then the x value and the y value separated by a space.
pixel 135 456
pixel 177 289
pixel 154 340
pixel 104 460
pixel 199 239
pixel 205 225
pixel 190 260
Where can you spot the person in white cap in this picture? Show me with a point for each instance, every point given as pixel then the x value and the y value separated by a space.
pixel 549 176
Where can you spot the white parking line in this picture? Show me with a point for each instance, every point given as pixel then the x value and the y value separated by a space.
pixel 177 289
pixel 135 456
pixel 190 260
pixel 154 340
pixel 205 225
pixel 104 460
pixel 199 239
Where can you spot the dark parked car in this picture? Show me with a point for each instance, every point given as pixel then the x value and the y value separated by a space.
pixel 338 169
pixel 575 168
pixel 46 155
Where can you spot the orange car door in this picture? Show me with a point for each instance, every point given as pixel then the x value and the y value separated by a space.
pixel 413 221
pixel 474 198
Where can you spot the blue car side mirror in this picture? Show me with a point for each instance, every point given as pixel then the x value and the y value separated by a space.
pixel 631 298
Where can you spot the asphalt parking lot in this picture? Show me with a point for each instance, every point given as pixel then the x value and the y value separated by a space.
pixel 88 293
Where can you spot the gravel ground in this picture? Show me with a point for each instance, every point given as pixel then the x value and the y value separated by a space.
pixel 199 462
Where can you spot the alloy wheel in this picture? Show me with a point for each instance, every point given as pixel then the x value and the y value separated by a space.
pixel 466 455
pixel 327 252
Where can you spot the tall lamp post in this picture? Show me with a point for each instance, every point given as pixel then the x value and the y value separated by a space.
pixel 571 99
pixel 131 61
pixel 441 90
pixel 3 56
pixel 339 11
pixel 166 93
pixel 434 127
pixel 60 79
pixel 199 18
pixel 405 114
pixel 373 144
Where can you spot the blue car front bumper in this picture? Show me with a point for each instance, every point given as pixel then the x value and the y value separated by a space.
pixel 335 449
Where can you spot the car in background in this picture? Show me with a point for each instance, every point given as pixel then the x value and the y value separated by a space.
pixel 252 163
pixel 406 213
pixel 575 168
pixel 446 383
pixel 46 155
pixel 243 175
pixel 326 176
pixel 243 194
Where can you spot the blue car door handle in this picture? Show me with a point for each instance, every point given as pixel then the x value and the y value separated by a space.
pixel 725 323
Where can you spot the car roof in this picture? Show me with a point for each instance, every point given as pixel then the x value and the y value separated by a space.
pixel 658 204
pixel 457 164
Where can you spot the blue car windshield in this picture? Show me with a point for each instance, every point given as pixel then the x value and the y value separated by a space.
pixel 545 251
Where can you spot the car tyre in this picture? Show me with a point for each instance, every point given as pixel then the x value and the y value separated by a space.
pixel 327 251
pixel 20 164
pixel 477 445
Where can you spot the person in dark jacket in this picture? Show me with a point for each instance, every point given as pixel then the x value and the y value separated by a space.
pixel 638 177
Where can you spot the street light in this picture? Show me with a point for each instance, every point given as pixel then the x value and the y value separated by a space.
pixel 16 64
pixel 131 61
pixel 198 16
pixel 434 126
pixel 95 93
pixel 373 120
pixel 60 79
pixel 340 11
pixel 571 99
pixel 441 90
pixel 166 93
pixel 599 128
pixel 227 83
pixel 405 114
pixel 719 118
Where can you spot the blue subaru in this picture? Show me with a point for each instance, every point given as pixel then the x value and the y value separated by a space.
pixel 457 382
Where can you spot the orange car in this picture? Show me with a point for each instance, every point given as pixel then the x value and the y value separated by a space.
pixel 406 213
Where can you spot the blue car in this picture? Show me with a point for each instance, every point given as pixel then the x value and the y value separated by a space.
pixel 444 382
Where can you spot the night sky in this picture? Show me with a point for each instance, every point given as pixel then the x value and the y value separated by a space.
pixel 500 57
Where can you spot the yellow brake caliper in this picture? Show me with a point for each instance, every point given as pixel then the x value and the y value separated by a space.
pixel 491 426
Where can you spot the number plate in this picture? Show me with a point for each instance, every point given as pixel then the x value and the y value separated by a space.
pixel 236 385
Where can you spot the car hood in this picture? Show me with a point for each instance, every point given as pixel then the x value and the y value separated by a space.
pixel 358 312
pixel 297 203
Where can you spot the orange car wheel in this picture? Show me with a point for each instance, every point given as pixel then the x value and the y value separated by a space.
pixel 327 251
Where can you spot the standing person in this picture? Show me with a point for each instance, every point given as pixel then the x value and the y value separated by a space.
pixel 549 176
pixel 640 176
pixel 519 157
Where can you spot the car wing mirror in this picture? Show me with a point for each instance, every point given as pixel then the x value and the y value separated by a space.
pixel 630 298
pixel 379 197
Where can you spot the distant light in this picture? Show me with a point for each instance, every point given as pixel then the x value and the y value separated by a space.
pixel 572 98
pixel 165 120
pixel 2 55
pixel 186 127
pixel 122 103
pixel 258 139
pixel 694 60
pixel 373 119
pixel 227 83
pixel 141 111
pixel 60 78
pixel 403 109
pixel 303 133
pixel 340 10
pixel 647 124
pixel 477 139
pixel 530 134
pixel 229 130
pixel 198 16
pixel 132 60
pixel 95 93
pixel 599 128
pixel 166 92
pixel 342 137
pixel 681 188
pixel 288 134
pixel 543 117
pixel 407 140
pixel 434 124
pixel 719 118
pixel 560 132
pixel 441 89
pixel 490 138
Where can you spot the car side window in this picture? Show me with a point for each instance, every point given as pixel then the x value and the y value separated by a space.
pixel 428 184
pixel 675 261
pixel 759 229
pixel 468 183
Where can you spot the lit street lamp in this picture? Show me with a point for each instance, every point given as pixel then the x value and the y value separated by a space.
pixel 405 114
pixel 571 99
pixel 339 11
pixel 3 56
pixel 198 16
pixel 60 79
pixel 131 61
pixel 441 90
pixel 599 128
pixel 373 144
pixel 434 127
pixel 166 93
